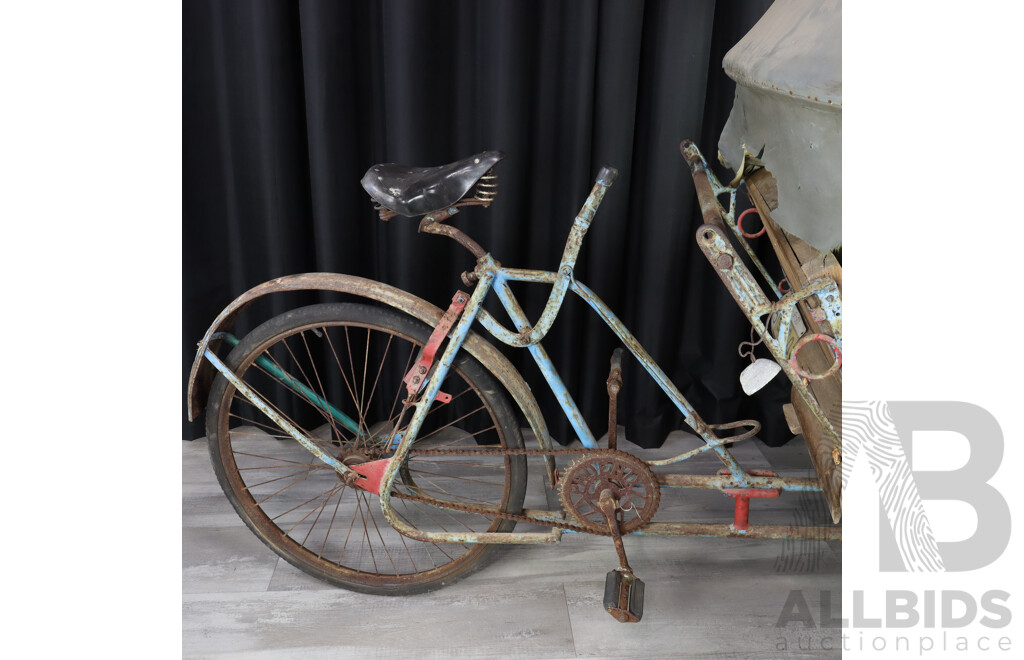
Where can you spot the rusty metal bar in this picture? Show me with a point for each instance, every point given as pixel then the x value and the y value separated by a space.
pixel 614 384
pixel 697 164
pixel 809 532
pixel 296 386
pixel 256 400
pixel 721 482
pixel 434 224
pixel 606 503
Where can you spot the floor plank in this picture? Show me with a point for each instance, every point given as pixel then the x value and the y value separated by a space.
pixel 705 598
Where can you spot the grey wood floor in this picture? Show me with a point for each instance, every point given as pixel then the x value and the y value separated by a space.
pixel 705 598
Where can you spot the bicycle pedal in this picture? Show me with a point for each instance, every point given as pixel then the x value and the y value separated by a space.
pixel 624 596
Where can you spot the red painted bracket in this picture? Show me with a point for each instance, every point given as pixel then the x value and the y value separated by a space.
pixel 417 376
pixel 741 516
pixel 372 473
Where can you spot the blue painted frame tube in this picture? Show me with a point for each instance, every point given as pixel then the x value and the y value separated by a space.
pixel 540 356
pixel 693 420
pixel 500 278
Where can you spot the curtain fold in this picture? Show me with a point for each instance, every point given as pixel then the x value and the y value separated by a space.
pixel 287 104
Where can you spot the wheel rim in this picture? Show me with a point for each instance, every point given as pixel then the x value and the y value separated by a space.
pixel 303 510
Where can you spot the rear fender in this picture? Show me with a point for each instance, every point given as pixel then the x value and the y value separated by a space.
pixel 203 372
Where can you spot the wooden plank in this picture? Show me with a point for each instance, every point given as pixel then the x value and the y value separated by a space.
pixel 802 263
pixel 820 447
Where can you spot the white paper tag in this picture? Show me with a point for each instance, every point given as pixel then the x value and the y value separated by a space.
pixel 758 373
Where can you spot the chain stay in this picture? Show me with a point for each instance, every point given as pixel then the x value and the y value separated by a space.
pixel 510 516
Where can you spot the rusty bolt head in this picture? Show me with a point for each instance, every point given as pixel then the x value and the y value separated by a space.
pixel 423 370
pixel 725 261
pixel 416 379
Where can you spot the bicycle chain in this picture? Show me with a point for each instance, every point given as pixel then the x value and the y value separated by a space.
pixel 506 515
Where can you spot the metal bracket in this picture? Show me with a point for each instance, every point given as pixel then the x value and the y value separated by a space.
pixel 741 515
pixel 417 376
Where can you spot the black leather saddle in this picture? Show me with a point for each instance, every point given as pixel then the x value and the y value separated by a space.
pixel 413 191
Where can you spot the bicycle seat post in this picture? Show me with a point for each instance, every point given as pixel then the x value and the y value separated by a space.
pixel 434 224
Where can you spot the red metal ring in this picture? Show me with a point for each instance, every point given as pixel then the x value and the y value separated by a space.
pixel 807 339
pixel 788 288
pixel 739 224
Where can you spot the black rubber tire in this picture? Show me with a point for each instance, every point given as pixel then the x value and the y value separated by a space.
pixel 264 455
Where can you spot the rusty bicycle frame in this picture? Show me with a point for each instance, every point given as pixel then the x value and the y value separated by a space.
pixel 379 476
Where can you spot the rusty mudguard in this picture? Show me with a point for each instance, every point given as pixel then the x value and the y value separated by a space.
pixel 203 372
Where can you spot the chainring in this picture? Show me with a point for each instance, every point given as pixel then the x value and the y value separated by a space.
pixel 635 486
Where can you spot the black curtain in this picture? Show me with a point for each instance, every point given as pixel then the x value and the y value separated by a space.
pixel 287 104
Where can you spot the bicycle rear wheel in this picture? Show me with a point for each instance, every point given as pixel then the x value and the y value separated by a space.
pixel 335 371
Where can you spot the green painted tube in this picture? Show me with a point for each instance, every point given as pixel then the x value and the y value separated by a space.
pixel 289 381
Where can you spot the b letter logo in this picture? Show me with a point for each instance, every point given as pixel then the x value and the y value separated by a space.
pixel 880 432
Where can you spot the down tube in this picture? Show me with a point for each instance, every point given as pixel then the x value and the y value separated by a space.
pixel 690 415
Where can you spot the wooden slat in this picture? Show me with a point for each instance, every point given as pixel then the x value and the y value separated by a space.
pixel 802 263
pixel 820 446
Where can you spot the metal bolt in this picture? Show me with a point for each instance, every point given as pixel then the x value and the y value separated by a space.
pixel 725 262
pixel 416 379
pixel 423 370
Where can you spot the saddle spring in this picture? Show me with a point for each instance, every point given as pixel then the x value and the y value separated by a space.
pixel 487 188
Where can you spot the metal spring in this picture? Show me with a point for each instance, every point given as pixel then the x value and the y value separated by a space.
pixel 487 187
pixel 384 213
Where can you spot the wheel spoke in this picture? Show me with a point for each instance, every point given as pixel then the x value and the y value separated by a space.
pixel 299 505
